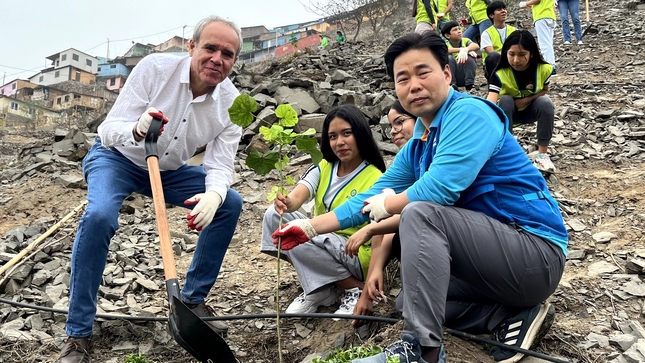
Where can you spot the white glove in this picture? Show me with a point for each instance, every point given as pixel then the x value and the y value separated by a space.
pixel 146 118
pixel 294 233
pixel 522 4
pixel 375 205
pixel 440 15
pixel 203 213
pixel 462 57
pixel 473 54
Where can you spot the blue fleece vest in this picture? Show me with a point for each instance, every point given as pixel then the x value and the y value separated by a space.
pixel 509 188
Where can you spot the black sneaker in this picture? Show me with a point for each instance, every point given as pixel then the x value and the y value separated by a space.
pixel 407 350
pixel 454 86
pixel 523 330
pixel 203 311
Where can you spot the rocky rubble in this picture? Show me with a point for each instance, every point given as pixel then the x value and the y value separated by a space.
pixel 598 147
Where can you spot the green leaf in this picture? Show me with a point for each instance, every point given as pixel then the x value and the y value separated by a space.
pixel 273 134
pixel 310 146
pixel 281 164
pixel 242 109
pixel 310 131
pixel 290 180
pixel 262 163
pixel 287 115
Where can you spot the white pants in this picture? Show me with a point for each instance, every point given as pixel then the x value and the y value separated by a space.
pixel 545 28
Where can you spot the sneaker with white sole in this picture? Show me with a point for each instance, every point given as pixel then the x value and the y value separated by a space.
pixel 543 163
pixel 406 350
pixel 580 42
pixel 305 304
pixel 348 302
pixel 566 42
pixel 524 330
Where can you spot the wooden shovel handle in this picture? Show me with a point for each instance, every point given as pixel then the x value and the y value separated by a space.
pixel 157 196
pixel 167 256
pixel 587 9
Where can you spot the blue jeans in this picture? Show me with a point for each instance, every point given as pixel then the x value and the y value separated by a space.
pixel 572 7
pixel 477 29
pixel 111 178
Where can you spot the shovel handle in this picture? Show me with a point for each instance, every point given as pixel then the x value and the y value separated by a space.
pixel 587 9
pixel 170 271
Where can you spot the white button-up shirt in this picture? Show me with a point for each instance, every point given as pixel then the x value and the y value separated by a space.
pixel 163 82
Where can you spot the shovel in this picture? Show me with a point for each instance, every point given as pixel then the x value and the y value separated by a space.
pixel 589 28
pixel 191 332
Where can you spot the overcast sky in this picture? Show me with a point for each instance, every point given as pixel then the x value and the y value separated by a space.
pixel 35 29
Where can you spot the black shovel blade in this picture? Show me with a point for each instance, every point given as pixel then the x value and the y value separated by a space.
pixel 196 336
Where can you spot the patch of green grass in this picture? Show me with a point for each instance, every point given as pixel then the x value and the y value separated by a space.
pixel 347 355
pixel 138 358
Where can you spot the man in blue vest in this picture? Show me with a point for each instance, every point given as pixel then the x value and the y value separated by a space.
pixel 482 240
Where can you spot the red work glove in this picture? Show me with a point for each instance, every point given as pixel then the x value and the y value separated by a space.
pixel 294 233
pixel 141 128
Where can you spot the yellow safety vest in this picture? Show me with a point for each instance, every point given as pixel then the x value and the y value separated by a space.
pixel 543 10
pixel 464 43
pixel 496 39
pixel 358 184
pixel 477 10
pixel 441 6
pixel 511 88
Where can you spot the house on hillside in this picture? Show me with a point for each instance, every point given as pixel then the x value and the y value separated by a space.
pixel 251 36
pixel 174 44
pixel 17 113
pixel 78 101
pixel 12 88
pixel 114 73
pixel 70 64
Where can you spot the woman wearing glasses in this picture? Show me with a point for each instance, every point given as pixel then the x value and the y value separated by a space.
pixel 402 129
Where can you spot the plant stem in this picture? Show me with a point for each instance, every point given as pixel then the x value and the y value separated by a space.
pixel 277 285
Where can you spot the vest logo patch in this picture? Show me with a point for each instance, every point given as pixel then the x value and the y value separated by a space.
pixel 352 193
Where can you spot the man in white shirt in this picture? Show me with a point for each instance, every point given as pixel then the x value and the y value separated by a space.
pixel 194 93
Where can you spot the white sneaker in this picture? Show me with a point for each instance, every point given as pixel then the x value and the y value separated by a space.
pixel 580 42
pixel 348 302
pixel 305 304
pixel 566 42
pixel 543 163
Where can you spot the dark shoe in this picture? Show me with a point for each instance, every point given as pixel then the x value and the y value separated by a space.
pixel 454 86
pixel 203 311
pixel 524 330
pixel 75 350
pixel 469 87
pixel 407 350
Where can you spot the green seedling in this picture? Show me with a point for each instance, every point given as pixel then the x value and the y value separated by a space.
pixel 348 355
pixel 138 358
pixel 281 139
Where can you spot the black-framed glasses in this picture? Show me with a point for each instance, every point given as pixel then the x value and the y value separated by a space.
pixel 397 124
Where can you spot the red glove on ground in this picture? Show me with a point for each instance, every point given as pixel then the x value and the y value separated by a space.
pixel 294 233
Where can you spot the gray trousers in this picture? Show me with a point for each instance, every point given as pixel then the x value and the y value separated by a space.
pixel 467 271
pixel 541 109
pixel 462 74
pixel 319 262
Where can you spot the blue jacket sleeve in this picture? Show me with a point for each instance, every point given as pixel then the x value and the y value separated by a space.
pixel 398 176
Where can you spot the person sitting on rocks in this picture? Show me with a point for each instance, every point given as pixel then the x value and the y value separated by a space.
pixel 493 38
pixel 195 94
pixel 463 63
pixel 340 38
pixel 381 233
pixel 480 21
pixel 352 163
pixel 519 85
pixel 324 41
pixel 483 243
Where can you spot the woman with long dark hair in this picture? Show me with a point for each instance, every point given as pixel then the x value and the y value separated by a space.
pixel 352 163
pixel 519 85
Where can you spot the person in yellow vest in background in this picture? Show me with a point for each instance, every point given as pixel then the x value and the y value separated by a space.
pixel 443 12
pixel 324 41
pixel 520 84
pixel 480 20
pixel 425 14
pixel 351 164
pixel 544 22
pixel 462 64
pixel 493 38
